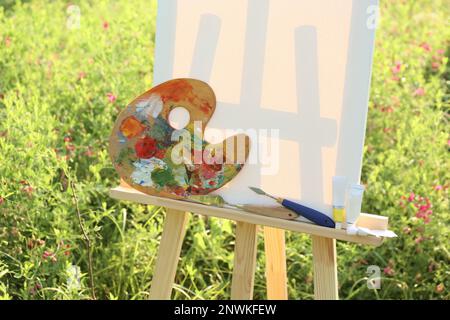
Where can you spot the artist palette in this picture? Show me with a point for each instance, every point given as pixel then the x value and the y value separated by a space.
pixel 158 155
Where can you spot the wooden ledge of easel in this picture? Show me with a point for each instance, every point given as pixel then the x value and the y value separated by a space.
pixel 128 194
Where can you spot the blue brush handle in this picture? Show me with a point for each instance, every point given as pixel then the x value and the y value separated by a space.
pixel 310 214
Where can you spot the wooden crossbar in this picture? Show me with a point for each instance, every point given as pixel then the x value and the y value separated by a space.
pixel 128 194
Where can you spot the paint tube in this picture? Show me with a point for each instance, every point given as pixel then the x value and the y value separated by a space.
pixel 339 188
pixel 354 202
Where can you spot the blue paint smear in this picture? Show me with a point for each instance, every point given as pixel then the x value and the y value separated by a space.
pixel 121 138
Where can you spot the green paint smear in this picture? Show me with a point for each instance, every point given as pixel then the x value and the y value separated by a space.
pixel 168 158
pixel 161 130
pixel 231 170
pixel 163 177
pixel 126 154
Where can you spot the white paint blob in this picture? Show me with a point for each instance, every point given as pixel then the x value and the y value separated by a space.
pixel 149 108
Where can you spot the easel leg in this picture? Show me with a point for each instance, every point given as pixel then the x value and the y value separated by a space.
pixel 274 244
pixel 244 261
pixel 325 268
pixel 168 254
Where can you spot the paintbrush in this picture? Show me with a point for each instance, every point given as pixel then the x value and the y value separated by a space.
pixel 310 214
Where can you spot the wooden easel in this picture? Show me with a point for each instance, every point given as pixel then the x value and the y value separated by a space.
pixel 177 216
pixel 357 76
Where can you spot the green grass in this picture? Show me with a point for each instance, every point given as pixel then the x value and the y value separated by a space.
pixel 55 117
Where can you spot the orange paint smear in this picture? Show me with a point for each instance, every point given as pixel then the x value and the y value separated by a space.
pixel 181 90
pixel 206 107
pixel 131 127
pixel 175 91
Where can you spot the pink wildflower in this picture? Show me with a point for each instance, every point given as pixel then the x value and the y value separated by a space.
pixel 435 65
pixel 425 46
pixel 46 254
pixel 419 92
pixel 397 68
pixel 419 239
pixel 422 204
pixel 388 271
pixel 111 97
pixel 424 209
pixel 438 188
pixel 440 288
pixel 67 252
pixel 89 152
pixel 105 25
pixel 35 288
pixel 51 255
pixel 28 190
pixel 81 75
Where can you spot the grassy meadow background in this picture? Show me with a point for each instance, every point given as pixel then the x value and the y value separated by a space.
pixel 60 91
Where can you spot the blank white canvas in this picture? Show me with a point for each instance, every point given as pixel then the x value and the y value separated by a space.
pixel 302 67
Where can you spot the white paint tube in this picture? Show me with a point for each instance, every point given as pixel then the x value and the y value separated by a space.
pixel 339 188
pixel 354 202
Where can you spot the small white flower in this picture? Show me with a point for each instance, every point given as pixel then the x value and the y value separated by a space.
pixel 150 107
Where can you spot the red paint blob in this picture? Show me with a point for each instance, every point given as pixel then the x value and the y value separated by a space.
pixel 145 148
pixel 160 154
